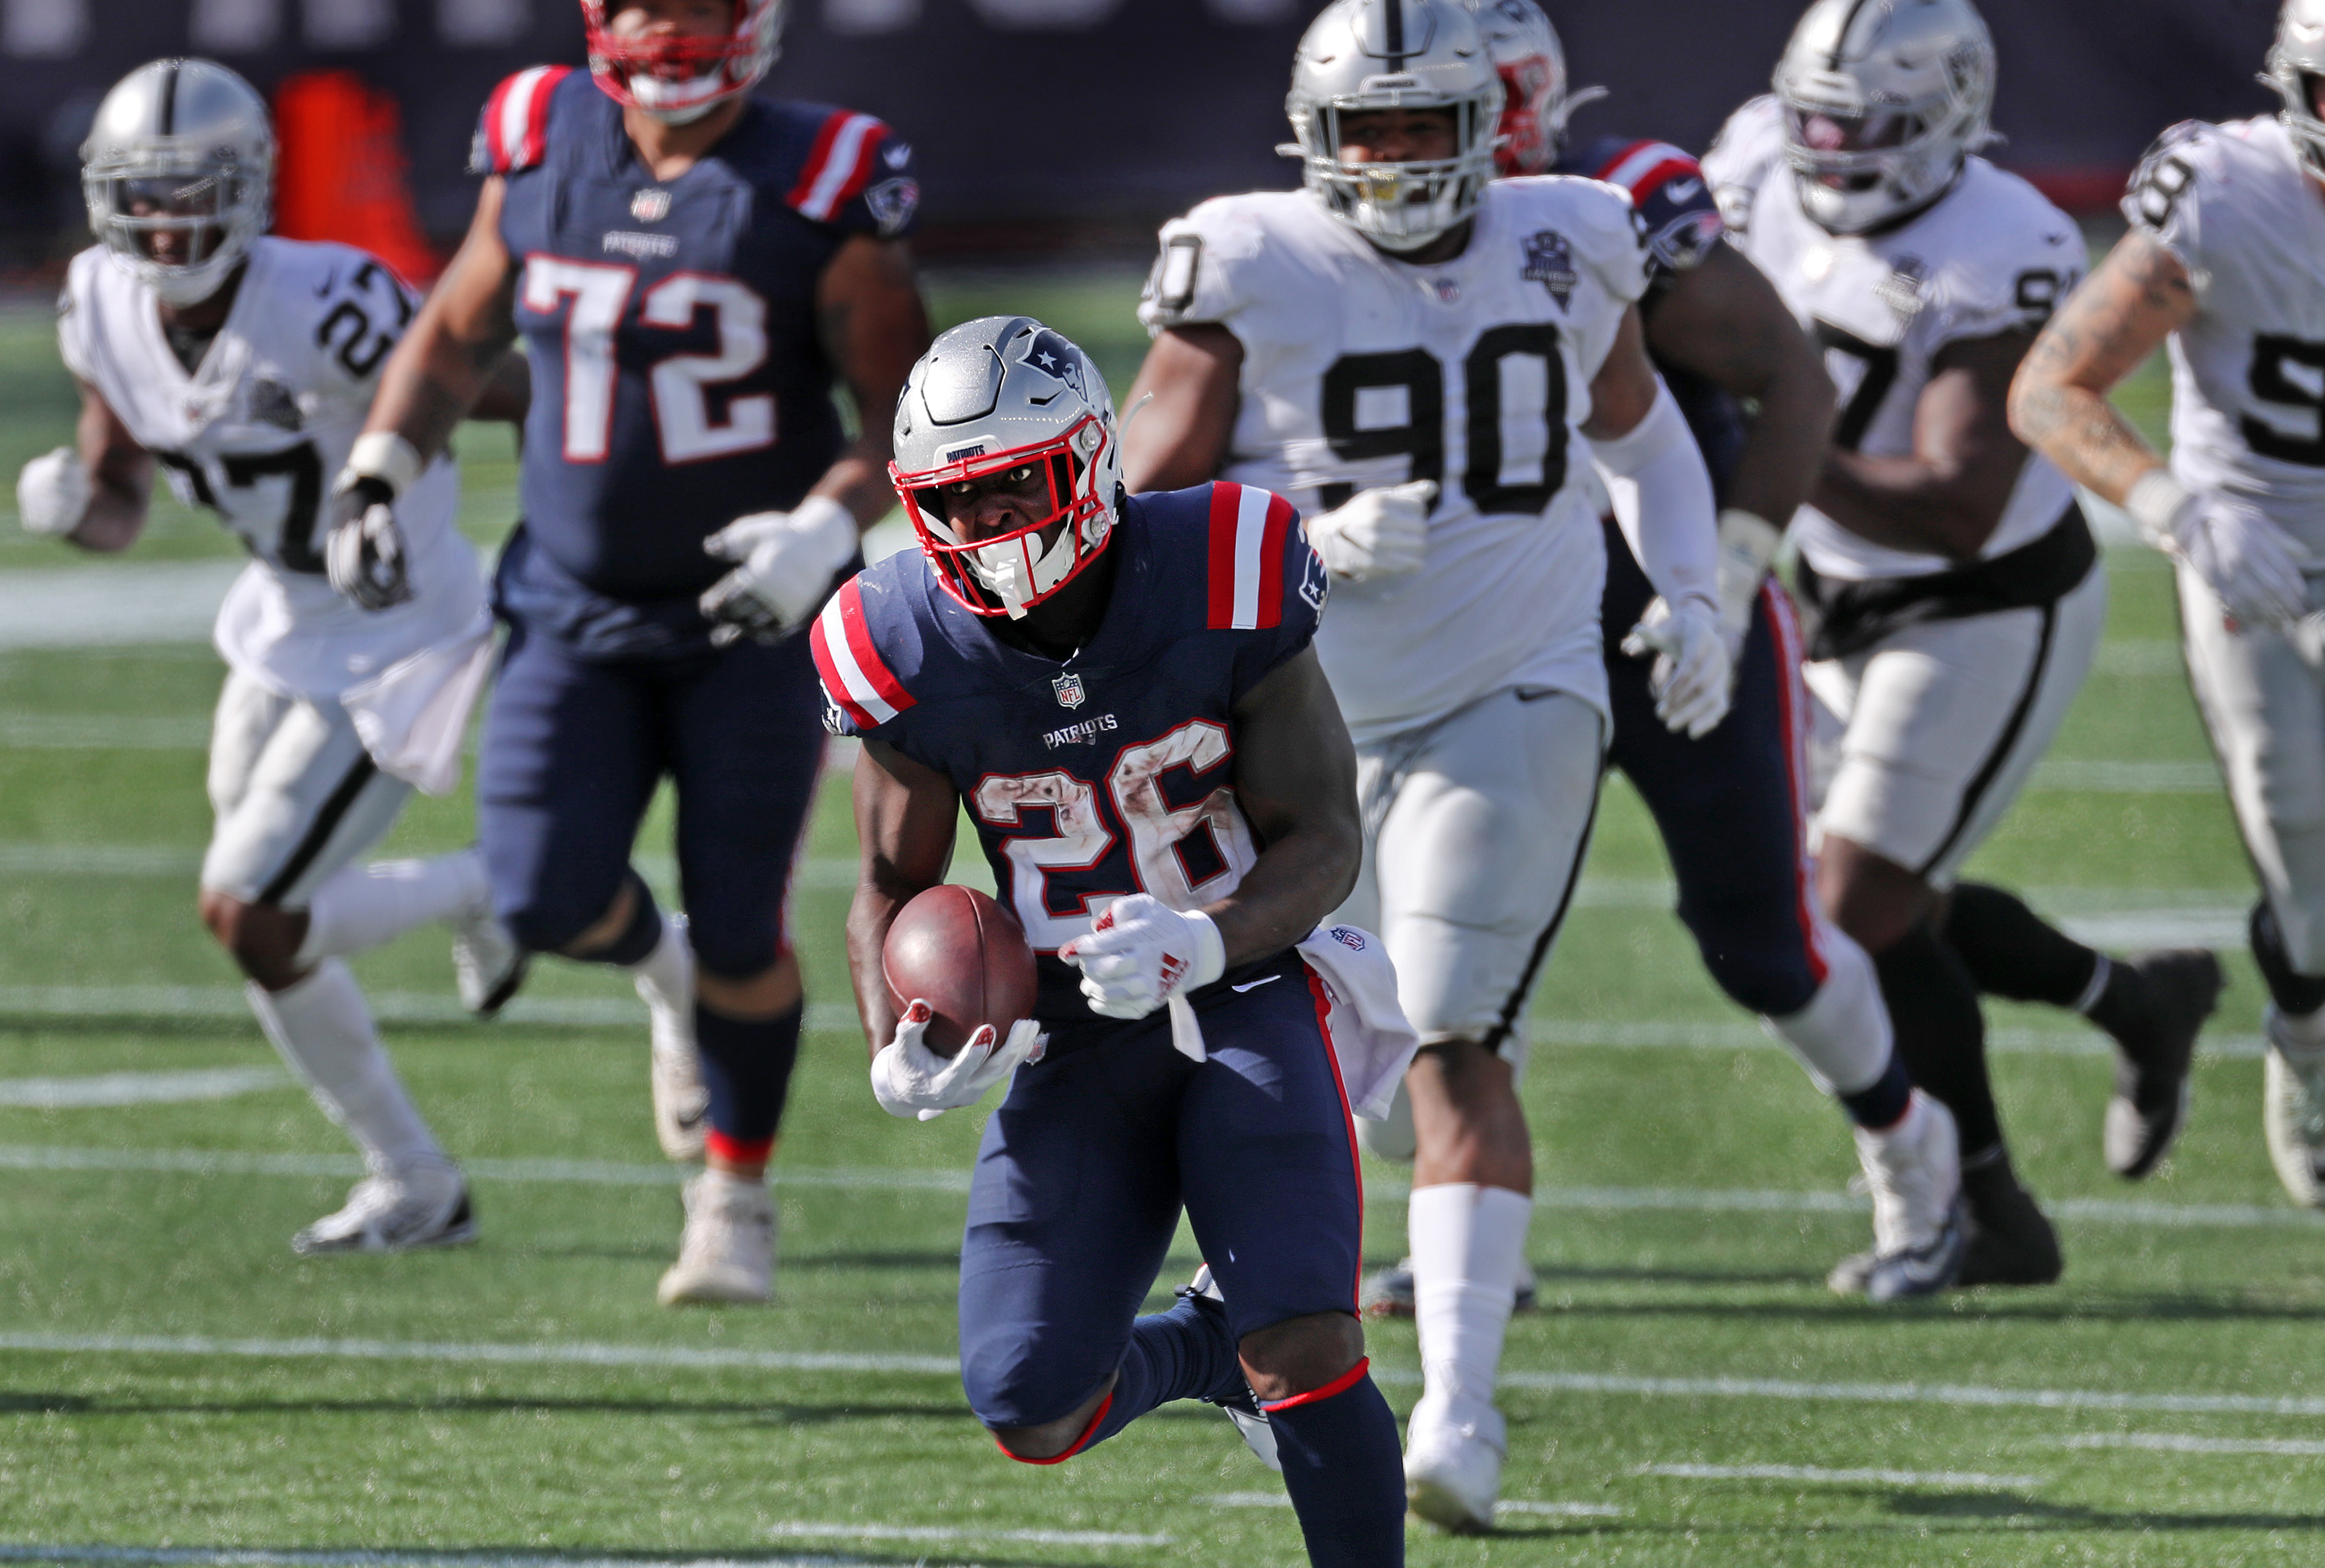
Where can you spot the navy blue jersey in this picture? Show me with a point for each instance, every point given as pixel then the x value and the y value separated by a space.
pixel 678 379
pixel 1109 772
pixel 1668 189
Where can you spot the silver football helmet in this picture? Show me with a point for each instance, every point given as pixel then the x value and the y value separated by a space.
pixel 2294 63
pixel 1363 55
pixel 992 397
pixel 1882 100
pixel 181 148
pixel 1536 101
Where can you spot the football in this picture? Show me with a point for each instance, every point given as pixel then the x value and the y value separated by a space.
pixel 966 957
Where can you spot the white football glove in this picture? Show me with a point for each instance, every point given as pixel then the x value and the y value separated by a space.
pixel 2251 562
pixel 1692 672
pixel 908 1079
pixel 1375 534
pixel 1748 542
pixel 1141 952
pixel 787 562
pixel 53 493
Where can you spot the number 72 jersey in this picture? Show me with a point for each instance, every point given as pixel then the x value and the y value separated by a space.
pixel 256 432
pixel 1360 371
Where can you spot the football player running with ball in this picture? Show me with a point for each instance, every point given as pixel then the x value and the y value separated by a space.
pixel 1957 594
pixel 1430 361
pixel 691 268
pixel 2225 259
pixel 242 363
pixel 1732 804
pixel 1121 692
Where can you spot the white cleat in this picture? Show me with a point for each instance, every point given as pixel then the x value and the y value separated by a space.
pixel 1453 1468
pixel 487 962
pixel 1914 1173
pixel 2292 1115
pixel 681 1102
pixel 729 1251
pixel 395 1212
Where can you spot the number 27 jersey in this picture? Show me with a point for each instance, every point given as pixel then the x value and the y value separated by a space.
pixel 1109 772
pixel 1360 371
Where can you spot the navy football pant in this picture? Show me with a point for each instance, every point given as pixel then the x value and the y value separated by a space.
pixel 1731 807
pixel 1083 1171
pixel 574 750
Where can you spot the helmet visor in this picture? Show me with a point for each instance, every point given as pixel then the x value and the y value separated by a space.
pixel 1847 152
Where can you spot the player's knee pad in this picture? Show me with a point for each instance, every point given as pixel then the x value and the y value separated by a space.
pixel 2295 976
pixel 1392 1137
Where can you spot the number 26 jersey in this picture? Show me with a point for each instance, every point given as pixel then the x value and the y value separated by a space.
pixel 1361 371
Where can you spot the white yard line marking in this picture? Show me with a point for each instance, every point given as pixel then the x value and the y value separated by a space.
pixel 387 1007
pixel 1561 1510
pixel 1741 1034
pixel 1810 1472
pixel 612 1173
pixel 2181 1443
pixel 1249 1500
pixel 1966 1395
pixel 2129 778
pixel 74 732
pixel 937 1533
pixel 140 1088
pixel 79 607
pixel 358 1557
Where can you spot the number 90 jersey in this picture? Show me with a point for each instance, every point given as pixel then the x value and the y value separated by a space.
pixel 255 433
pixel 1360 370
pixel 678 379
pixel 1988 258
pixel 2233 203
pixel 1110 773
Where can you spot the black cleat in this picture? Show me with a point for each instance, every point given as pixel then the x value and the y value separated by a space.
pixel 2155 1005
pixel 2011 1241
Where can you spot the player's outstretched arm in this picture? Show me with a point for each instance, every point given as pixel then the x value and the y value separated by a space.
pixel 1947 496
pixel 1295 777
pixel 906 815
pixel 874 327
pixel 1194 374
pixel 94 493
pixel 450 355
pixel 2139 296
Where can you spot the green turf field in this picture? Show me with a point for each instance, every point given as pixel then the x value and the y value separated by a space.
pixel 174 1387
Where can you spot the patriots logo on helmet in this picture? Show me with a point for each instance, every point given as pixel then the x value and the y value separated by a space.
pixel 1056 358
pixel 1550 262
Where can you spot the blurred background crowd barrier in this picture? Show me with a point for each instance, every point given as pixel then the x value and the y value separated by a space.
pixel 1042 127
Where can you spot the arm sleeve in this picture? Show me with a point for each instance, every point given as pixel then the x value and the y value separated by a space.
pixel 1662 498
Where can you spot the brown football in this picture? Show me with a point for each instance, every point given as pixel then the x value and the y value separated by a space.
pixel 966 957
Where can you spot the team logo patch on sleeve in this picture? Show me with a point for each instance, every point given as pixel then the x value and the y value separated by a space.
pixel 893 203
pixel 1550 262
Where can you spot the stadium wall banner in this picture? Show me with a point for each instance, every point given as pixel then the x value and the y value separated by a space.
pixel 1089 115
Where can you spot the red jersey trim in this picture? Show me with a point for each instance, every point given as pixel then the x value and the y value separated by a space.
pixel 839 166
pixel 1247 557
pixel 516 118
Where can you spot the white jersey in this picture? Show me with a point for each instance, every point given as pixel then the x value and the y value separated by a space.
pixel 1360 370
pixel 2235 205
pixel 256 433
pixel 1990 256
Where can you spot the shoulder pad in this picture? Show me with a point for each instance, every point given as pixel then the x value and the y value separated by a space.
pixel 839 166
pixel 856 678
pixel 514 132
pixel 1641 167
pixel 1248 526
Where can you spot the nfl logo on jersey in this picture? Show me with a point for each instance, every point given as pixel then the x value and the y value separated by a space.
pixel 650 206
pixel 1550 262
pixel 1069 692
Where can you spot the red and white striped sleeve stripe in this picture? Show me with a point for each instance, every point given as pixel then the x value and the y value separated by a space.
pixel 1644 168
pixel 853 672
pixel 839 166
pixel 1247 530
pixel 516 118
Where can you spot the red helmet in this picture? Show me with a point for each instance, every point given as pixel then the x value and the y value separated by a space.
pixel 680 79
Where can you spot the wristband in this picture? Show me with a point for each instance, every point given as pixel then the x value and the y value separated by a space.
pixel 2155 503
pixel 385 456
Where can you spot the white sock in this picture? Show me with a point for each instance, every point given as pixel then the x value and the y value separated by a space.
pixel 1467 1245
pixel 665 977
pixel 1842 1036
pixel 358 907
pixel 324 1032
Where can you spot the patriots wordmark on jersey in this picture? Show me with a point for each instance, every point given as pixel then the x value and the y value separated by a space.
pixel 1112 771
pixel 1360 370
pixel 254 433
pixel 1991 257
pixel 679 381
pixel 2235 205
